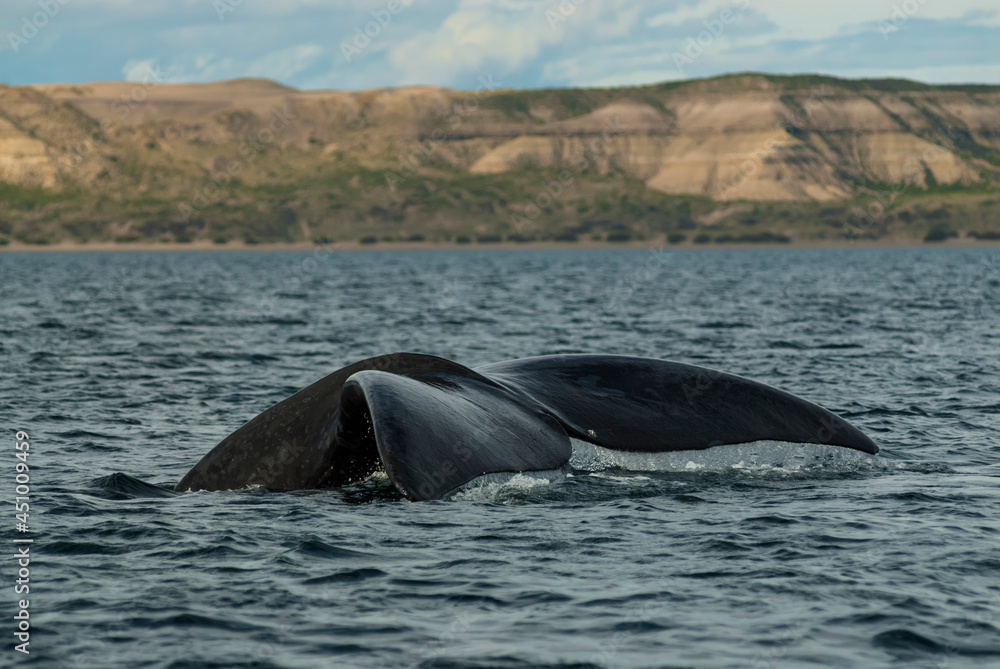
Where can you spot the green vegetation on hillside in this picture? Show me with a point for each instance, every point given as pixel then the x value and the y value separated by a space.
pixel 346 178
pixel 339 204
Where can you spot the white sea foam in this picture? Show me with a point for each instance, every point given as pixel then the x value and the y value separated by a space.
pixel 503 487
pixel 624 467
pixel 753 456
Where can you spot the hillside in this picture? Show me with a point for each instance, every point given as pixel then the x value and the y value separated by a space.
pixel 742 157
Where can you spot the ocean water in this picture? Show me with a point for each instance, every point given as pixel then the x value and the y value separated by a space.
pixel 127 367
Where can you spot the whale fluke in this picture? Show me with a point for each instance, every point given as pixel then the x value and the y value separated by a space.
pixel 637 404
pixel 434 425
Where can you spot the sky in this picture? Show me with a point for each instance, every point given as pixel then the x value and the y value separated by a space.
pixel 358 44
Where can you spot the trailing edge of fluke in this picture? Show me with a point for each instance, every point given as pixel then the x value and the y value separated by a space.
pixel 434 425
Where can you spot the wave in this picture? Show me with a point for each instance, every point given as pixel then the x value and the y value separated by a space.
pixel 123 486
pixel 628 471
pixel 754 456
pixel 624 469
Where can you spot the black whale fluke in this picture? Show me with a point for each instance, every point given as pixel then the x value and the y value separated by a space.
pixel 434 425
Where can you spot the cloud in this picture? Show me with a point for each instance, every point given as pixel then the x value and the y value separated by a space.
pixel 473 39
pixel 141 70
pixel 523 43
pixel 506 38
pixel 689 12
pixel 939 50
pixel 284 64
pixel 820 20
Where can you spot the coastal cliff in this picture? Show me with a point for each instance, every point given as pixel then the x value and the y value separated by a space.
pixel 771 157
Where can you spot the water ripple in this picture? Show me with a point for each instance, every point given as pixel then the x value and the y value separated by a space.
pixel 763 555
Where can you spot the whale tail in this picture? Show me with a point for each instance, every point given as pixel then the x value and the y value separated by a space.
pixel 434 425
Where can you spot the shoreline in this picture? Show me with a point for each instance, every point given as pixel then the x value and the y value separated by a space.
pixel 352 247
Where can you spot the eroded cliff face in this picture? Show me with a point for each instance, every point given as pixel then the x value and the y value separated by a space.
pixel 734 138
pixel 769 145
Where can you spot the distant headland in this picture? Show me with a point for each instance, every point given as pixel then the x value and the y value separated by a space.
pixel 739 160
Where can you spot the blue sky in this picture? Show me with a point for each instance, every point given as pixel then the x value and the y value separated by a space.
pixel 322 44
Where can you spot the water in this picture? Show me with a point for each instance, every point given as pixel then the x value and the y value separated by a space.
pixel 128 367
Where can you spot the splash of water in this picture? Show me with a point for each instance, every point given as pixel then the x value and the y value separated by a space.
pixel 753 456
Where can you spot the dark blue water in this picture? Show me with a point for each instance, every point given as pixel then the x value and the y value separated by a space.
pixel 764 556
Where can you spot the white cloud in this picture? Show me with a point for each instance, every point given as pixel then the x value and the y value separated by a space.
pixel 283 65
pixel 621 26
pixel 472 38
pixel 480 36
pixel 141 70
pixel 819 20
pixel 520 42
pixel 685 13
pixel 618 65
pixel 566 70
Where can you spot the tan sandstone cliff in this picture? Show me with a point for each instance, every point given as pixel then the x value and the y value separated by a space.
pixel 741 138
